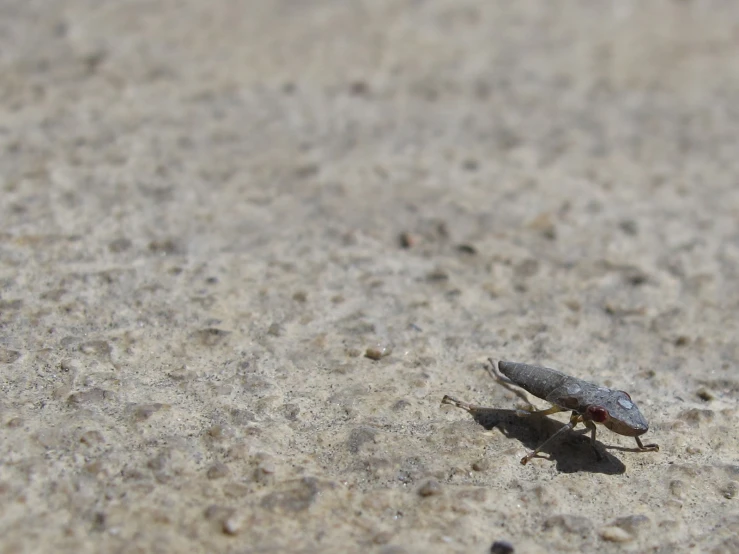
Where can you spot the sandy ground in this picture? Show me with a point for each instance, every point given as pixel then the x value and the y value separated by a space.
pixel 212 210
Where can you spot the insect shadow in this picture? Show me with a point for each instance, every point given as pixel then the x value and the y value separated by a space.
pixel 572 453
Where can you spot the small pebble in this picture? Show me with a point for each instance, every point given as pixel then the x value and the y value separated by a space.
pixel 61 392
pixel 615 534
pixel 677 488
pixel 481 465
pixel 704 394
pixel 306 171
pixel 70 365
pixel 406 240
pixel 8 356
pixel 400 405
pixel 467 249
pixel 359 88
pixel 383 537
pixel 629 226
pixel 632 524
pixel 95 467
pixel 470 164
pixel 290 411
pixel 682 340
pixel 430 488
pixel 143 412
pixel 267 467
pixel 233 525
pixel 96 348
pixel 378 352
pixel 360 436
pixel 437 276
pixel 217 471
pixel 98 521
pixel 695 417
pixel 544 225
pixel 218 512
pixel 119 245
pixel 637 277
pixel 217 432
pixel 91 438
pixel 526 268
pixel 578 525
pixel 730 490
pixel 91 396
pixel 164 247
pixel 502 547
pixel 210 336
pixel 298 498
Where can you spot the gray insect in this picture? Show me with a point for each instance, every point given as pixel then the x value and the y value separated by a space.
pixel 590 403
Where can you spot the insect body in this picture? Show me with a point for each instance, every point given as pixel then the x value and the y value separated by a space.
pixel 589 403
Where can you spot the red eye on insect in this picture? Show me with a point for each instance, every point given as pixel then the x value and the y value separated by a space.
pixel 598 413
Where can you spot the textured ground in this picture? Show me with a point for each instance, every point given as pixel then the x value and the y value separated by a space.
pixel 210 211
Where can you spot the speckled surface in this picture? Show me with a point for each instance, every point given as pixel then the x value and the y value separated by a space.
pixel 212 210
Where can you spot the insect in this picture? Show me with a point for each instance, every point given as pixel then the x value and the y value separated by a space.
pixel 590 403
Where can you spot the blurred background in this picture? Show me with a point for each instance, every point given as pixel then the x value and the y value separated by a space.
pixel 246 247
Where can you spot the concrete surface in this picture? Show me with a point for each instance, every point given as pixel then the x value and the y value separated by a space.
pixel 212 210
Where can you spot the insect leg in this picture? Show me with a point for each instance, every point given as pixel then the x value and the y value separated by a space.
pixel 574 420
pixel 590 425
pixel 533 411
pixel 505 382
pixel 646 447
pixel 458 403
